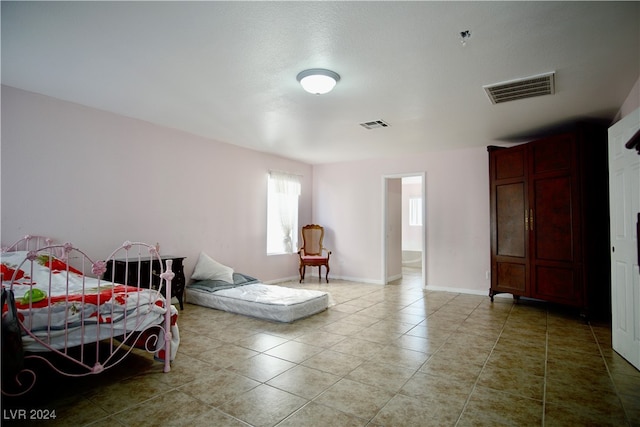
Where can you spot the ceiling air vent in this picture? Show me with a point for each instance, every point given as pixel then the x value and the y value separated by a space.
pixel 375 124
pixel 528 87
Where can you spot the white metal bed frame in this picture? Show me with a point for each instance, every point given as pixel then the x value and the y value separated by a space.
pixel 88 358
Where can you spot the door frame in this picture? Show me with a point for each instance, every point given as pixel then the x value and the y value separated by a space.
pixel 385 197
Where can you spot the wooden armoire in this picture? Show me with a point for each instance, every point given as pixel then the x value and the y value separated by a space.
pixel 550 220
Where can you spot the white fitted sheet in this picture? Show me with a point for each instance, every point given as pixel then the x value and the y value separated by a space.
pixel 263 301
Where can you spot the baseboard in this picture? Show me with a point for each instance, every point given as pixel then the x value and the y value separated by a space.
pixel 395 277
pixel 359 280
pixel 296 279
pixel 458 290
pixel 285 279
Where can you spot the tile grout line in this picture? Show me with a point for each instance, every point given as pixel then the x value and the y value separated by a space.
pixel 606 365
pixel 475 384
pixel 396 393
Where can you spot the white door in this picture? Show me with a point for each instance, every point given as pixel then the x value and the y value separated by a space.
pixel 624 193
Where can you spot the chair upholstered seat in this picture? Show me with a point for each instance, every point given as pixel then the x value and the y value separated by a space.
pixel 314 257
pixel 312 253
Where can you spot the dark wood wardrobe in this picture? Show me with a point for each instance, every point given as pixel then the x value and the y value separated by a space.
pixel 550 219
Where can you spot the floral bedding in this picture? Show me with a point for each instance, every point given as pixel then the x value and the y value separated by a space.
pixel 53 296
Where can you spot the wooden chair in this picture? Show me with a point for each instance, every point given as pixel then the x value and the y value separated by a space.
pixel 312 253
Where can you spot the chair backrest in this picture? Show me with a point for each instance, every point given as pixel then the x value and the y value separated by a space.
pixel 312 236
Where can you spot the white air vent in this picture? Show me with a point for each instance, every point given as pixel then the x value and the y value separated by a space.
pixel 375 124
pixel 543 84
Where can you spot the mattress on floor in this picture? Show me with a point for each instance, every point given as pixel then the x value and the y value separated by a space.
pixel 263 301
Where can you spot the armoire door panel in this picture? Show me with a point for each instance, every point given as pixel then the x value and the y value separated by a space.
pixel 552 221
pixel 510 220
pixel 557 284
pixel 509 164
pixel 511 277
pixel 553 154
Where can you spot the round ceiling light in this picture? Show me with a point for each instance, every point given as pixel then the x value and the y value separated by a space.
pixel 318 80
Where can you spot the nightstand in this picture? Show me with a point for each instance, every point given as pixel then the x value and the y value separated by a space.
pixel 148 269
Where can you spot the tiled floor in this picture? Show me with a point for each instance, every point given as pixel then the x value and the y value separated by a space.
pixel 381 356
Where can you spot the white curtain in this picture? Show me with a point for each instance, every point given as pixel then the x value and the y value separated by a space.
pixel 286 189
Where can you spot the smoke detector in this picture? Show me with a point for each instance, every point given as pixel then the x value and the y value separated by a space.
pixel 528 87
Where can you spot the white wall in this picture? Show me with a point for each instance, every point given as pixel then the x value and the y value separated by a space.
pixel 97 179
pixel 457 217
pixel 631 103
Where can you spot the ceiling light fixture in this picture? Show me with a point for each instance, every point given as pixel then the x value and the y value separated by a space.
pixel 318 80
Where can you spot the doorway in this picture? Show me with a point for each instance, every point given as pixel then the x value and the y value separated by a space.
pixel 404 227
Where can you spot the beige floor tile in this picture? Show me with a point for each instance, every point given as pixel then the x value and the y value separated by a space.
pixel 294 351
pixel 631 405
pixel 378 335
pixel 580 395
pixel 226 355
pixel 407 411
pixel 509 360
pixel 263 406
pixel 411 342
pixel 183 370
pixel 358 347
pixel 433 334
pixel 321 338
pixel 394 355
pixel 399 356
pixel 381 375
pixel 488 407
pixel 576 344
pixel 170 408
pixel 438 389
pixel 127 393
pixel 618 365
pixel 352 397
pixel 260 342
pixel 456 369
pixel 346 308
pixel 578 378
pixel 486 330
pixel 344 328
pixel 512 380
pixel 70 411
pixel 334 362
pixel 558 415
pixel 314 415
pixel 404 317
pixel 286 330
pixel 261 367
pixel 215 417
pixel 360 319
pixel 105 422
pixel 520 345
pixel 194 344
pixel 304 382
pixel 469 354
pixel 628 385
pixel 217 388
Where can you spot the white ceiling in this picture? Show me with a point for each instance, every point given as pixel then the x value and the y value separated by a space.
pixel 227 70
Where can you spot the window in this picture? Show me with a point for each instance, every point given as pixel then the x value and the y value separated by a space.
pixel 282 213
pixel 415 211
